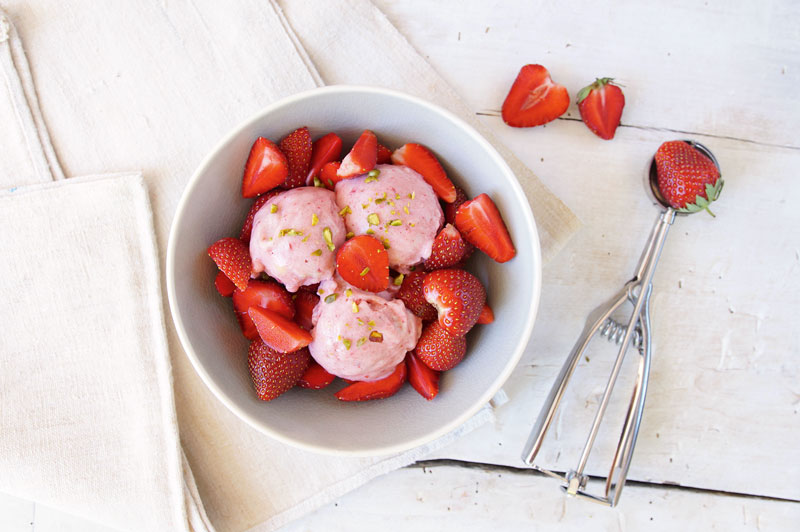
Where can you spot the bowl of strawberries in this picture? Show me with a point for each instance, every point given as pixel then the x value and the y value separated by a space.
pixel 354 271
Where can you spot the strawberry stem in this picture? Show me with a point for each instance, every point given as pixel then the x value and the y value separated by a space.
pixel 709 212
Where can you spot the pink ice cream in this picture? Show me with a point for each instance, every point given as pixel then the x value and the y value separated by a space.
pixel 359 335
pixel 295 236
pixel 397 207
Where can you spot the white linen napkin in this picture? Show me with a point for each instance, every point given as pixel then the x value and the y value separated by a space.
pixel 189 72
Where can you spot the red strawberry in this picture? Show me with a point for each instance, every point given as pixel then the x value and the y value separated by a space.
pixel 233 259
pixel 534 99
pixel 487 315
pixel 411 294
pixel 304 303
pixel 480 223
pixel 458 297
pixel 247 227
pixel 601 106
pixel 448 249
pixel 224 286
pixel 315 377
pixel 363 262
pixel 451 208
pixel 365 391
pixel 361 158
pixel 384 155
pixel 266 168
pixel 324 150
pixel 264 294
pixel 329 174
pixel 297 148
pixel 421 160
pixel 278 332
pixel 438 349
pixel 687 178
pixel 422 378
pixel 274 373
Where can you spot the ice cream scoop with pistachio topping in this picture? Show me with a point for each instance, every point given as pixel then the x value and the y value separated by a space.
pixel 395 205
pixel 295 236
pixel 358 335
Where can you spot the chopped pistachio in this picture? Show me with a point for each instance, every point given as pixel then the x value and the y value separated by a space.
pixel 360 321
pixel 273 208
pixel 399 279
pixel 317 252
pixel 361 341
pixel 412 224
pixel 345 210
pixel 371 323
pixel 305 238
pixel 373 219
pixel 328 236
pixel 370 232
pixel 330 182
pixel 406 210
pixel 411 196
pixel 364 272
pixel 385 242
pixel 317 182
pixel 390 202
pixel 314 219
pixel 331 298
pixel 374 172
pixel 370 179
pixel 375 336
pixel 397 196
pixel 290 232
pixel 348 292
pixel 320 292
pixel 395 222
pixel 365 205
pixel 346 342
pixel 349 235
pixel 393 211
pixel 355 307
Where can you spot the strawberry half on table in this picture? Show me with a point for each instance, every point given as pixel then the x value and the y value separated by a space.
pixel 534 98
pixel 601 106
pixel 687 178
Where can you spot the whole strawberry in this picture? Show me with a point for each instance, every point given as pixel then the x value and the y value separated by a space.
pixel 687 178
pixel 601 106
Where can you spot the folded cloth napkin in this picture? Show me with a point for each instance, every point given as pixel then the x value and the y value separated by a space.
pixel 170 80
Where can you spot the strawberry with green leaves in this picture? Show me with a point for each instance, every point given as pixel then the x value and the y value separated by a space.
pixel 687 178
pixel 601 106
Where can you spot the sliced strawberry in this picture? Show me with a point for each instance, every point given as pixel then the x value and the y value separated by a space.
pixel 247 227
pixel 329 174
pixel 438 349
pixel 534 99
pixel 601 106
pixel 480 223
pixel 315 377
pixel 363 262
pixel 233 259
pixel 421 160
pixel 487 315
pixel 384 155
pixel 278 332
pixel 422 378
pixel 296 146
pixel 458 297
pixel 451 208
pixel 224 286
pixel 264 294
pixel 448 249
pixel 411 294
pixel 304 303
pixel 361 158
pixel 325 149
pixel 366 391
pixel 274 373
pixel 266 168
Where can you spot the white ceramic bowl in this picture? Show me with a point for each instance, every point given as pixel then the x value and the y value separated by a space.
pixel 212 208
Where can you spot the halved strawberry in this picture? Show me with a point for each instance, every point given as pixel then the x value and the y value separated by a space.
pixel 411 294
pixel 458 297
pixel 304 303
pixel 534 99
pixel 486 315
pixel 263 294
pixel 421 160
pixel 448 249
pixel 480 223
pixel 451 208
pixel 601 106
pixel 274 373
pixel 224 286
pixel 296 146
pixel 278 332
pixel 266 168
pixel 422 378
pixel 438 349
pixel 233 259
pixel 363 262
pixel 384 155
pixel 366 391
pixel 329 174
pixel 325 149
pixel 247 227
pixel 315 377
pixel 361 158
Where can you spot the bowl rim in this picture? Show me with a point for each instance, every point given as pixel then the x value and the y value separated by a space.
pixel 406 445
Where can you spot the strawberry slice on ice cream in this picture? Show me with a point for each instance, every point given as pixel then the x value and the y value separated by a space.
pixel 363 262
pixel 279 332
pixel 362 158
pixel 421 160
pixel 366 391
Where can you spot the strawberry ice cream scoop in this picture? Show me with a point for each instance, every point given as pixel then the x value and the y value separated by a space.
pixel 358 335
pixel 397 207
pixel 295 235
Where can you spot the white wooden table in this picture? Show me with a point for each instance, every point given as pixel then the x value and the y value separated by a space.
pixel 719 445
